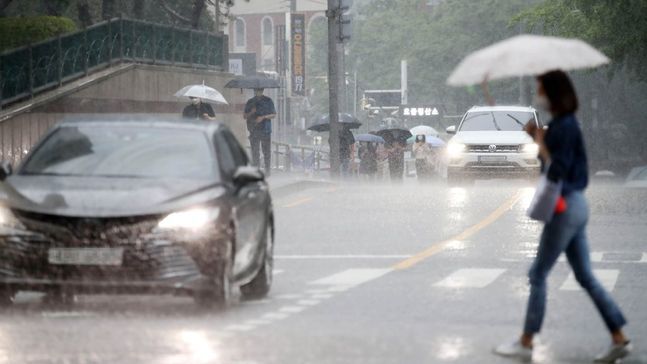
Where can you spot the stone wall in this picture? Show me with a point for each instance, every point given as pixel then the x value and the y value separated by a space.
pixel 129 89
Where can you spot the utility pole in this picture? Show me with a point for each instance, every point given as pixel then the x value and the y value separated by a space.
pixel 333 85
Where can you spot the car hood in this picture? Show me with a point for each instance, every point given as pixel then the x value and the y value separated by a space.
pixel 492 137
pixel 104 197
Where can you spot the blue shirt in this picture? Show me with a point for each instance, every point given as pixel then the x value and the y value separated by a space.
pixel 565 143
pixel 264 106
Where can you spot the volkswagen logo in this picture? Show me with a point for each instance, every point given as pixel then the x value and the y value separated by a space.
pixel 492 148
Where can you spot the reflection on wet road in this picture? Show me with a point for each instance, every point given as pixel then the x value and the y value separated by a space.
pixel 370 274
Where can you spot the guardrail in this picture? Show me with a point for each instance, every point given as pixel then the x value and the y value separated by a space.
pixel 33 69
pixel 290 158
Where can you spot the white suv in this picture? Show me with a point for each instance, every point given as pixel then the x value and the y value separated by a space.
pixel 490 142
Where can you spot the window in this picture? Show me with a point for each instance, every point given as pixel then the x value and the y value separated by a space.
pixel 239 32
pixel 267 32
pixel 496 120
pixel 227 162
pixel 239 155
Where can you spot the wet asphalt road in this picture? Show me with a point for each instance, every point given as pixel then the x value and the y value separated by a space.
pixel 371 274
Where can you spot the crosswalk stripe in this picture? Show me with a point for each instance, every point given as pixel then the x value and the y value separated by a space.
pixel 352 277
pixel 607 278
pixel 644 258
pixel 470 278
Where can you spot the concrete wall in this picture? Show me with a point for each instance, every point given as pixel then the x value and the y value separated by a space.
pixel 129 89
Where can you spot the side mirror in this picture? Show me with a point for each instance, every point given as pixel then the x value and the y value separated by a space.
pixel 247 174
pixel 451 129
pixel 5 170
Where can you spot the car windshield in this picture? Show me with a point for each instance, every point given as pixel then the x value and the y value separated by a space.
pixel 107 151
pixel 496 120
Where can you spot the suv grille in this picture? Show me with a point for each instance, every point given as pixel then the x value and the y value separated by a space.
pixel 485 148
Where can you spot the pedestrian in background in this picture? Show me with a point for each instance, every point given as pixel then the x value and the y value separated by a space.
pixel 259 112
pixel 346 150
pixel 198 109
pixel 563 158
pixel 422 152
pixel 367 160
pixel 395 152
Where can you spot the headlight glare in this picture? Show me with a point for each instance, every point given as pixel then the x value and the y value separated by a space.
pixel 193 219
pixel 454 149
pixel 531 148
pixel 7 219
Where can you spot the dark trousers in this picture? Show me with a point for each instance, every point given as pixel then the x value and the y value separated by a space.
pixel 264 142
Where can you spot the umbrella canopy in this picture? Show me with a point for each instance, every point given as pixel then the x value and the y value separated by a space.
pixel 430 139
pixel 525 55
pixel 348 121
pixel 394 134
pixel 423 130
pixel 253 82
pixel 203 92
pixel 369 138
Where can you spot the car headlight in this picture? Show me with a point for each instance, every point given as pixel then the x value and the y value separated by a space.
pixel 194 219
pixel 7 219
pixel 531 148
pixel 454 149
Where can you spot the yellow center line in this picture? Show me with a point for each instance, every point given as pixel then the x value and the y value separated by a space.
pixel 440 246
pixel 298 202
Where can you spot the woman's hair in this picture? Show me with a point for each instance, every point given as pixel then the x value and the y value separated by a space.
pixel 559 91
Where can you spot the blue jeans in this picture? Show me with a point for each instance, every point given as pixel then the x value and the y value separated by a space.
pixel 566 233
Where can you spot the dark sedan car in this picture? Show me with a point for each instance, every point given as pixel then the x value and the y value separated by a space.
pixel 136 207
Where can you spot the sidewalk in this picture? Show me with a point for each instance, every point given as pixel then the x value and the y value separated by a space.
pixel 285 183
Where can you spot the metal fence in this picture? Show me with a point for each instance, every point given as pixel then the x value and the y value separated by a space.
pixel 30 70
pixel 298 158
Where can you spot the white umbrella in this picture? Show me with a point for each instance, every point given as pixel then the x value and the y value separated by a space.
pixel 525 55
pixel 203 92
pixel 423 130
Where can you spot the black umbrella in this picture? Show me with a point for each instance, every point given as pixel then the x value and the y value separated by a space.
pixel 348 121
pixel 253 82
pixel 394 134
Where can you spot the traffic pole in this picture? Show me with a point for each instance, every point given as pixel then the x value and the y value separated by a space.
pixel 333 85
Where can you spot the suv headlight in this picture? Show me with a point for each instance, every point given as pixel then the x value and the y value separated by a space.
pixel 454 149
pixel 531 148
pixel 194 219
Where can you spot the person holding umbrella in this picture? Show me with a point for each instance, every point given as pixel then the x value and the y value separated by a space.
pixel 563 156
pixel 198 110
pixel 259 112
pixel 422 153
pixel 395 153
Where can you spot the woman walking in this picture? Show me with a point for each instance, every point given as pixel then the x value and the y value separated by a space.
pixel 563 154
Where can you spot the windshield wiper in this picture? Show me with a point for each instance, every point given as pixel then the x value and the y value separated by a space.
pixel 496 125
pixel 515 119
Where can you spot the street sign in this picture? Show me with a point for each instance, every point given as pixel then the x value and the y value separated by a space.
pixel 418 111
pixel 298 55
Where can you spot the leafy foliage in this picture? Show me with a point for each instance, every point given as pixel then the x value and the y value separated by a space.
pixel 618 28
pixel 15 32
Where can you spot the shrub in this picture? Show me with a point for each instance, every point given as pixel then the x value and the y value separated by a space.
pixel 19 31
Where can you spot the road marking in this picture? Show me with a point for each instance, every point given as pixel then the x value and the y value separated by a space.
pixel 66 314
pixel 607 278
pixel 256 322
pixel 292 309
pixel 240 327
pixel 438 247
pixel 352 277
pixel 595 257
pixel 644 259
pixel 322 296
pixel 309 302
pixel 274 316
pixel 298 202
pixel 289 296
pixel 470 278
pixel 276 272
pixel 346 256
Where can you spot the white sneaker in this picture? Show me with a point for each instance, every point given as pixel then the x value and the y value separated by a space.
pixel 615 352
pixel 514 350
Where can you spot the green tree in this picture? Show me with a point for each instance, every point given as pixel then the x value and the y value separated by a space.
pixel 618 28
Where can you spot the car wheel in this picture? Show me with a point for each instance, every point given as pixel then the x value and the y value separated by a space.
pixel 220 291
pixel 260 286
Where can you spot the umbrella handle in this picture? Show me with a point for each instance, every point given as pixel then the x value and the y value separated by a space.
pixel 486 92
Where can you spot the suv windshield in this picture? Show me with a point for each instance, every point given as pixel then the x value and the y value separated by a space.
pixel 108 151
pixel 496 120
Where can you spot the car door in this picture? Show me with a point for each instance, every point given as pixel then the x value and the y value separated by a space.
pixel 249 206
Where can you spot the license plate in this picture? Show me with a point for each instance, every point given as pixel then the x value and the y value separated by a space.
pixel 86 256
pixel 492 158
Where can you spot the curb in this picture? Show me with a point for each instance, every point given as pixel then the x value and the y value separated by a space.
pixel 298 186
